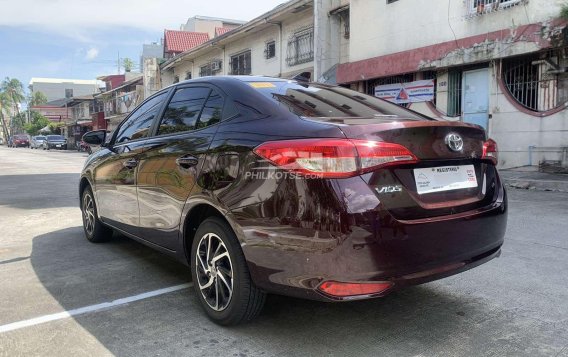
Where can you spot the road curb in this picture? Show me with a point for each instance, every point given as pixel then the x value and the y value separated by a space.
pixel 539 185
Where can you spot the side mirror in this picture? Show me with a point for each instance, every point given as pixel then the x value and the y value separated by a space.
pixel 95 137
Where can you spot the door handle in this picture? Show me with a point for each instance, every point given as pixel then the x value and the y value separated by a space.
pixel 132 163
pixel 187 161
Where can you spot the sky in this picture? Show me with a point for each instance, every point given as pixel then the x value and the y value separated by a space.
pixel 82 39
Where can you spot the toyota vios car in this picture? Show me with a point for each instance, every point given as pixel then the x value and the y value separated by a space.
pixel 266 185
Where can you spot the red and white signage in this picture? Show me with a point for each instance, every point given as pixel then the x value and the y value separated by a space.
pixel 402 93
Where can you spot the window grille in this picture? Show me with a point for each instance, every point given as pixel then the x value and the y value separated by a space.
pixel 205 70
pixel 536 82
pixel 241 63
pixel 454 93
pixel 480 7
pixel 270 50
pixel 432 75
pixel 301 47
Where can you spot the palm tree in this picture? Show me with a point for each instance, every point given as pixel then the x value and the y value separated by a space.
pixel 5 102
pixel 15 90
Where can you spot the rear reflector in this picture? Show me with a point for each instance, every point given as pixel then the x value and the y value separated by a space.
pixel 490 151
pixel 333 158
pixel 339 289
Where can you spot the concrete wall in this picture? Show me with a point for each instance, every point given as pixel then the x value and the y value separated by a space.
pixel 515 131
pixel 331 46
pixel 378 28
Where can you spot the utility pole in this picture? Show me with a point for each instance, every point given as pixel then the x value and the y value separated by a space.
pixel 118 63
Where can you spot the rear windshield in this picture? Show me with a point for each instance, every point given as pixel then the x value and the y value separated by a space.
pixel 55 137
pixel 316 100
pixel 20 137
pixel 40 137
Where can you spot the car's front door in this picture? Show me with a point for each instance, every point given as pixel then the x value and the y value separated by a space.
pixel 115 176
pixel 170 166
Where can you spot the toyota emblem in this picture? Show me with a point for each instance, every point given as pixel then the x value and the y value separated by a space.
pixel 454 142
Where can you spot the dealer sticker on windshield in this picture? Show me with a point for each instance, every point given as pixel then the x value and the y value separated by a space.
pixel 445 178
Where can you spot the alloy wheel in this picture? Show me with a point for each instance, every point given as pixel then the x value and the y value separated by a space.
pixel 89 213
pixel 214 272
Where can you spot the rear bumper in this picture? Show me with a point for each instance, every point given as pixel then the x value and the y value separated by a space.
pixel 294 257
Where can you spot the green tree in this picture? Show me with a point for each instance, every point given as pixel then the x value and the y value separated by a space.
pixel 37 98
pixel 15 91
pixel 128 64
pixel 5 103
pixel 18 123
pixel 38 122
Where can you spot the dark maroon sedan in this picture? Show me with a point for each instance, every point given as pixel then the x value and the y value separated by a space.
pixel 266 185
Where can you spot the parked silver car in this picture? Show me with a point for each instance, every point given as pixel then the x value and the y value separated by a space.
pixel 37 142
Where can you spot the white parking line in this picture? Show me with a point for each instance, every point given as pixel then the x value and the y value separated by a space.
pixel 84 310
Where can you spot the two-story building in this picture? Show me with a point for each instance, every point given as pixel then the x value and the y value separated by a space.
pixel 81 109
pixel 501 64
pixel 278 43
pixel 113 105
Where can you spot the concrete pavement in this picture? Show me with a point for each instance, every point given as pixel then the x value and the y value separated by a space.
pixel 516 305
pixel 528 177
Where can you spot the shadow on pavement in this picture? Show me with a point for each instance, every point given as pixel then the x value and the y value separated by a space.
pixel 21 191
pixel 78 273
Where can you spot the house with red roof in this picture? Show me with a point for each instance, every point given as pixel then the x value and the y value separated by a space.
pixel 176 42
pixel 222 30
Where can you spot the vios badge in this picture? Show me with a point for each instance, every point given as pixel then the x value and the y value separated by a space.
pixel 389 189
pixel 454 142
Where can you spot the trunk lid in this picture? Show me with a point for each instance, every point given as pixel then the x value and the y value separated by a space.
pixel 443 182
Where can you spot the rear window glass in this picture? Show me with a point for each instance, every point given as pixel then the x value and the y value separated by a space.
pixel 315 100
pixel 20 137
pixel 55 137
pixel 40 137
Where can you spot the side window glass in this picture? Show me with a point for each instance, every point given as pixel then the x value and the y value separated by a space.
pixel 140 121
pixel 183 110
pixel 212 112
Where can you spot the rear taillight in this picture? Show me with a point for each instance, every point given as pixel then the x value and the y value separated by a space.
pixel 333 158
pixel 344 290
pixel 490 151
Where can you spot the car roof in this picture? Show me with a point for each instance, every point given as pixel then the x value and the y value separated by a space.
pixel 221 79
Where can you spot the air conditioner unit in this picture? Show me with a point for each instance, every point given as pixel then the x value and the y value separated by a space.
pixel 216 65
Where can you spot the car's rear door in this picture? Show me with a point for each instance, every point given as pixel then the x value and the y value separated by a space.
pixel 173 158
pixel 115 176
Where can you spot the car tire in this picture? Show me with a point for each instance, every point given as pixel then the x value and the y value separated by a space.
pixel 95 230
pixel 221 304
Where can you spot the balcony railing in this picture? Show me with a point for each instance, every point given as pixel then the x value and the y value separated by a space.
pixel 480 7
pixel 300 47
pixel 122 104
